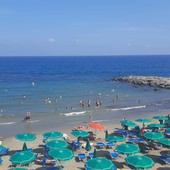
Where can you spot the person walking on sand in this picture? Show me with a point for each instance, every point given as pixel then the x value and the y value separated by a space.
pixel 90 117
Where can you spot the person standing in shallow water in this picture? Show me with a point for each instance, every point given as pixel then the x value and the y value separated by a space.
pixel 89 103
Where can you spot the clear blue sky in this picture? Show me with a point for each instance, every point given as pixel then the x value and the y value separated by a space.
pixel 84 27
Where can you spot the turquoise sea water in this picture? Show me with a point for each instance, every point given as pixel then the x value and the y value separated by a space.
pixel 26 82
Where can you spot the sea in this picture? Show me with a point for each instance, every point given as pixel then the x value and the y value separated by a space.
pixel 52 89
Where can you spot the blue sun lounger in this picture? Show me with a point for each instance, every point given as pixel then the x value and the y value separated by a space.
pixel 81 156
pixel 165 159
pixel 100 144
pixel 114 155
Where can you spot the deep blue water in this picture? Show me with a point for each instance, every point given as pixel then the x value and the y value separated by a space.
pixel 67 80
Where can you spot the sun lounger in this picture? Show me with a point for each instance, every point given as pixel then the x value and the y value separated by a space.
pixel 91 155
pixel 4 151
pixel 114 154
pixel 135 140
pixel 45 161
pixel 165 159
pixel 121 132
pixel 110 144
pixel 100 145
pixel 81 156
pixel 155 145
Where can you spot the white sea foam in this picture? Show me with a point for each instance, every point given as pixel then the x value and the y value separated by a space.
pixel 128 108
pixel 7 123
pixel 74 113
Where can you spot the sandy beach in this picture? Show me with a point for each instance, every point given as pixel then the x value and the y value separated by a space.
pixel 74 164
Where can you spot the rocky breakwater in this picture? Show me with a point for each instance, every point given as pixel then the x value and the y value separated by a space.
pixel 154 81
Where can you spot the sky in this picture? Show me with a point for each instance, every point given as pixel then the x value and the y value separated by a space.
pixel 84 27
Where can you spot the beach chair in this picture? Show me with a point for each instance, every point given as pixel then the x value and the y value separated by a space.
pixel 144 148
pixel 110 144
pixel 121 132
pixel 81 156
pixel 4 151
pixel 165 159
pixel 135 140
pixel 91 155
pixel 100 145
pixel 114 154
pixel 47 162
pixel 75 145
pixel 154 145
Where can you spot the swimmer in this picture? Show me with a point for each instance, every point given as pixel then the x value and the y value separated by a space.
pixel 33 84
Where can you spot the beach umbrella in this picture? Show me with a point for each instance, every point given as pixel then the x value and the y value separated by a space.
pixel 52 135
pixel 106 134
pixel 95 153
pixel 96 126
pixel 167 129
pixel 141 162
pixel 143 120
pixel 165 141
pixel 88 146
pixel 25 137
pixel 156 125
pixel 115 139
pixel 80 133
pixel 24 148
pixel 160 117
pixel 128 123
pixel 61 154
pixel 0 160
pixel 57 144
pixel 167 121
pixel 100 164
pixel 153 135
pixel 18 169
pixel 22 158
pixel 128 149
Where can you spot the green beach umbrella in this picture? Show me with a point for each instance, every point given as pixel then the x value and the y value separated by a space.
pixel 141 162
pixel 128 123
pixel 160 117
pixel 24 148
pixel 156 125
pixel 18 169
pixel 57 144
pixel 26 137
pixel 106 134
pixel 153 135
pixel 143 120
pixel 115 139
pixel 80 133
pixel 52 135
pixel 88 146
pixel 99 164
pixel 165 141
pixel 167 122
pixel 128 149
pixel 61 154
pixel 167 129
pixel 22 158
pixel 95 153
